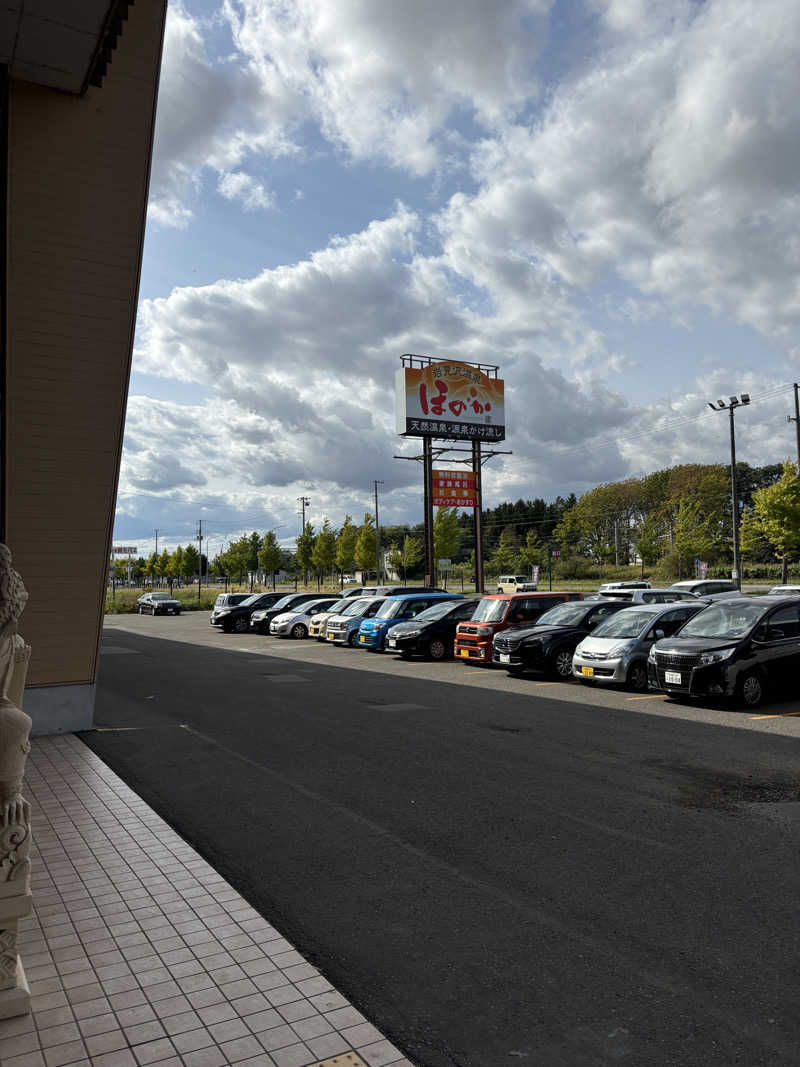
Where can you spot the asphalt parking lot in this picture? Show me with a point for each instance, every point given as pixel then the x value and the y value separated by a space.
pixel 780 716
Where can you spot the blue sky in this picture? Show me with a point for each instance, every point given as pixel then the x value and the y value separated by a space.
pixel 599 196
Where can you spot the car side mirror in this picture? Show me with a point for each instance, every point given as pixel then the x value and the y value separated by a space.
pixel 659 634
pixel 761 633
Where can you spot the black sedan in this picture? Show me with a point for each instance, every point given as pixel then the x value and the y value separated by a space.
pixel 262 615
pixel 433 631
pixel 236 618
pixel 549 646
pixel 740 648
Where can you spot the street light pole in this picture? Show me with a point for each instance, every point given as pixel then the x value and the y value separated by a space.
pixel 304 503
pixel 733 403
pixel 377 537
pixel 796 420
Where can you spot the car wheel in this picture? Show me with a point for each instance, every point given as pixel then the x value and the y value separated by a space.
pixel 637 677
pixel 561 665
pixel 498 590
pixel 241 625
pixel 750 691
pixel 299 631
pixel 437 649
pixel 352 639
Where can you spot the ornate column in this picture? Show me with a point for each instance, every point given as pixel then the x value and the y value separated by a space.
pixel 15 831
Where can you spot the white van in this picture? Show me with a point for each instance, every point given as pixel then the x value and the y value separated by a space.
pixel 515 583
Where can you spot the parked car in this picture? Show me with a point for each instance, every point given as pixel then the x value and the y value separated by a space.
pixel 550 645
pixel 261 615
pixel 296 621
pixel 159 604
pixel 372 632
pixel 497 612
pixel 236 617
pixel 609 586
pixel 708 587
pixel 225 601
pixel 741 648
pixel 667 595
pixel 784 590
pixel 515 583
pixel 342 629
pixel 317 625
pixel 616 651
pixel 390 590
pixel 348 579
pixel 433 631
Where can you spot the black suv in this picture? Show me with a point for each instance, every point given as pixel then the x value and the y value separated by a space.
pixel 550 645
pixel 259 619
pixel 433 631
pixel 738 648
pixel 236 617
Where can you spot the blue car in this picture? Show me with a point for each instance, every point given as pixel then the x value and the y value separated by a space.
pixel 394 609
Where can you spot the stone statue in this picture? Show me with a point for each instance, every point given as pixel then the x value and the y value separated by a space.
pixel 15 831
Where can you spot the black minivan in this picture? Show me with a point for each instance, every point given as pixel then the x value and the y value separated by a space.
pixel 740 649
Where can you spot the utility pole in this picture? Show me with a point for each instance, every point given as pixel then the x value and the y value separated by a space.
pixel 796 420
pixel 156 543
pixel 733 403
pixel 477 465
pixel 200 557
pixel 304 503
pixel 377 537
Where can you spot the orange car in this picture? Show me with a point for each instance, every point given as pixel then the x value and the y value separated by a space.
pixel 501 611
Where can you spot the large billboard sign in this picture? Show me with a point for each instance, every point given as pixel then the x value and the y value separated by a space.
pixel 454 489
pixel 450 399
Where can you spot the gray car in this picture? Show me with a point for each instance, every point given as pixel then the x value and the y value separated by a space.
pixel 616 653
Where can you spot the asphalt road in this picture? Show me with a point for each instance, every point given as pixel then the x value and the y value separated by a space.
pixel 495 871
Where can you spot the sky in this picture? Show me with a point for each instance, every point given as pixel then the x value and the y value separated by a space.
pixel 599 196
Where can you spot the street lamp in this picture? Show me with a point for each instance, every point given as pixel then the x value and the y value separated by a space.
pixel 377 535
pixel 733 403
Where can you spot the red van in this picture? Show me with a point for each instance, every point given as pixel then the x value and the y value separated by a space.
pixel 501 611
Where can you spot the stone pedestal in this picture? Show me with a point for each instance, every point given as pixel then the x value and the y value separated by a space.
pixel 16 901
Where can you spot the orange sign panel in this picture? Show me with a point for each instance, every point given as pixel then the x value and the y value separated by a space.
pixel 454 489
pixel 450 399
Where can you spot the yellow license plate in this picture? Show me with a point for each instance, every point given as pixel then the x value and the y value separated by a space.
pixel 587 672
pixel 465 653
pixel 330 637
pixel 363 640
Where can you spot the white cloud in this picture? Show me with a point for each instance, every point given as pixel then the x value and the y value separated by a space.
pixel 237 185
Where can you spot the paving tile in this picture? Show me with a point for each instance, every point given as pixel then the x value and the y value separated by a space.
pixel 298 1009
pixel 19 1044
pixel 98 1024
pixel 27 1059
pixel 293 1056
pixel 380 1054
pixel 263 1020
pixel 193 1040
pixel 69 1052
pixel 210 1057
pixel 108 1042
pixel 154 1051
pixel 316 1026
pixel 343 1017
pixel 122 1058
pixel 277 1037
pixel 241 1048
pixel 57 1035
pixel 144 1032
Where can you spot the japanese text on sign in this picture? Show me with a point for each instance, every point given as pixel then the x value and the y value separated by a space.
pixel 454 489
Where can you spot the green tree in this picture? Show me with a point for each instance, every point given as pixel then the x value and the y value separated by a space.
pixel 407 556
pixel 176 564
pixel 305 550
pixel 323 555
pixel 446 534
pixel 777 507
pixel 649 540
pixel 191 561
pixel 694 534
pixel 162 566
pixel 534 553
pixel 365 545
pixel 270 555
pixel 253 548
pixel 752 540
pixel 151 567
pixel 506 556
pixel 346 546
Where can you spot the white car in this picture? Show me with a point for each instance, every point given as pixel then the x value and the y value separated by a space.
pixel 648 596
pixel 295 623
pixel 784 590
pixel 159 604
pixel 709 588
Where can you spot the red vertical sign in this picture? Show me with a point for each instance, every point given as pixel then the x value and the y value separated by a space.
pixel 454 489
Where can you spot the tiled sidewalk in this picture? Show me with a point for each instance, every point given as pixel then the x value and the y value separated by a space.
pixel 139 952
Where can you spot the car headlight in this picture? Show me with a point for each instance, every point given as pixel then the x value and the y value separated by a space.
pixel 221 613
pixel 409 633
pixel 716 657
pixel 651 655
pixel 618 650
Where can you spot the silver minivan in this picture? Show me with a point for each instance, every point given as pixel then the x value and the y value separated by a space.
pixel 616 652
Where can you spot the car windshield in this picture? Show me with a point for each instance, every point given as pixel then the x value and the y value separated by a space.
pixel 339 606
pixel 784 590
pixel 627 623
pixel 390 608
pixel 563 615
pixel 310 605
pixel 279 605
pixel 357 607
pixel 731 618
pixel 160 596
pixel 436 611
pixel 490 610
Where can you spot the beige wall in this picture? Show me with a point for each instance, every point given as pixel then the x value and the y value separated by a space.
pixel 78 174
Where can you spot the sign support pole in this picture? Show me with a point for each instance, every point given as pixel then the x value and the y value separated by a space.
pixel 476 467
pixel 427 463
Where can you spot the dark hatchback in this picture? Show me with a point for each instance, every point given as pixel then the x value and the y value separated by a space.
pixel 740 649
pixel 262 614
pixel 549 646
pixel 433 631
pixel 235 618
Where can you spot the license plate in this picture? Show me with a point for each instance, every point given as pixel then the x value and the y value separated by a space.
pixel 465 653
pixel 672 678
pixel 504 657
pixel 587 672
pixel 330 637
pixel 392 642
pixel 363 640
